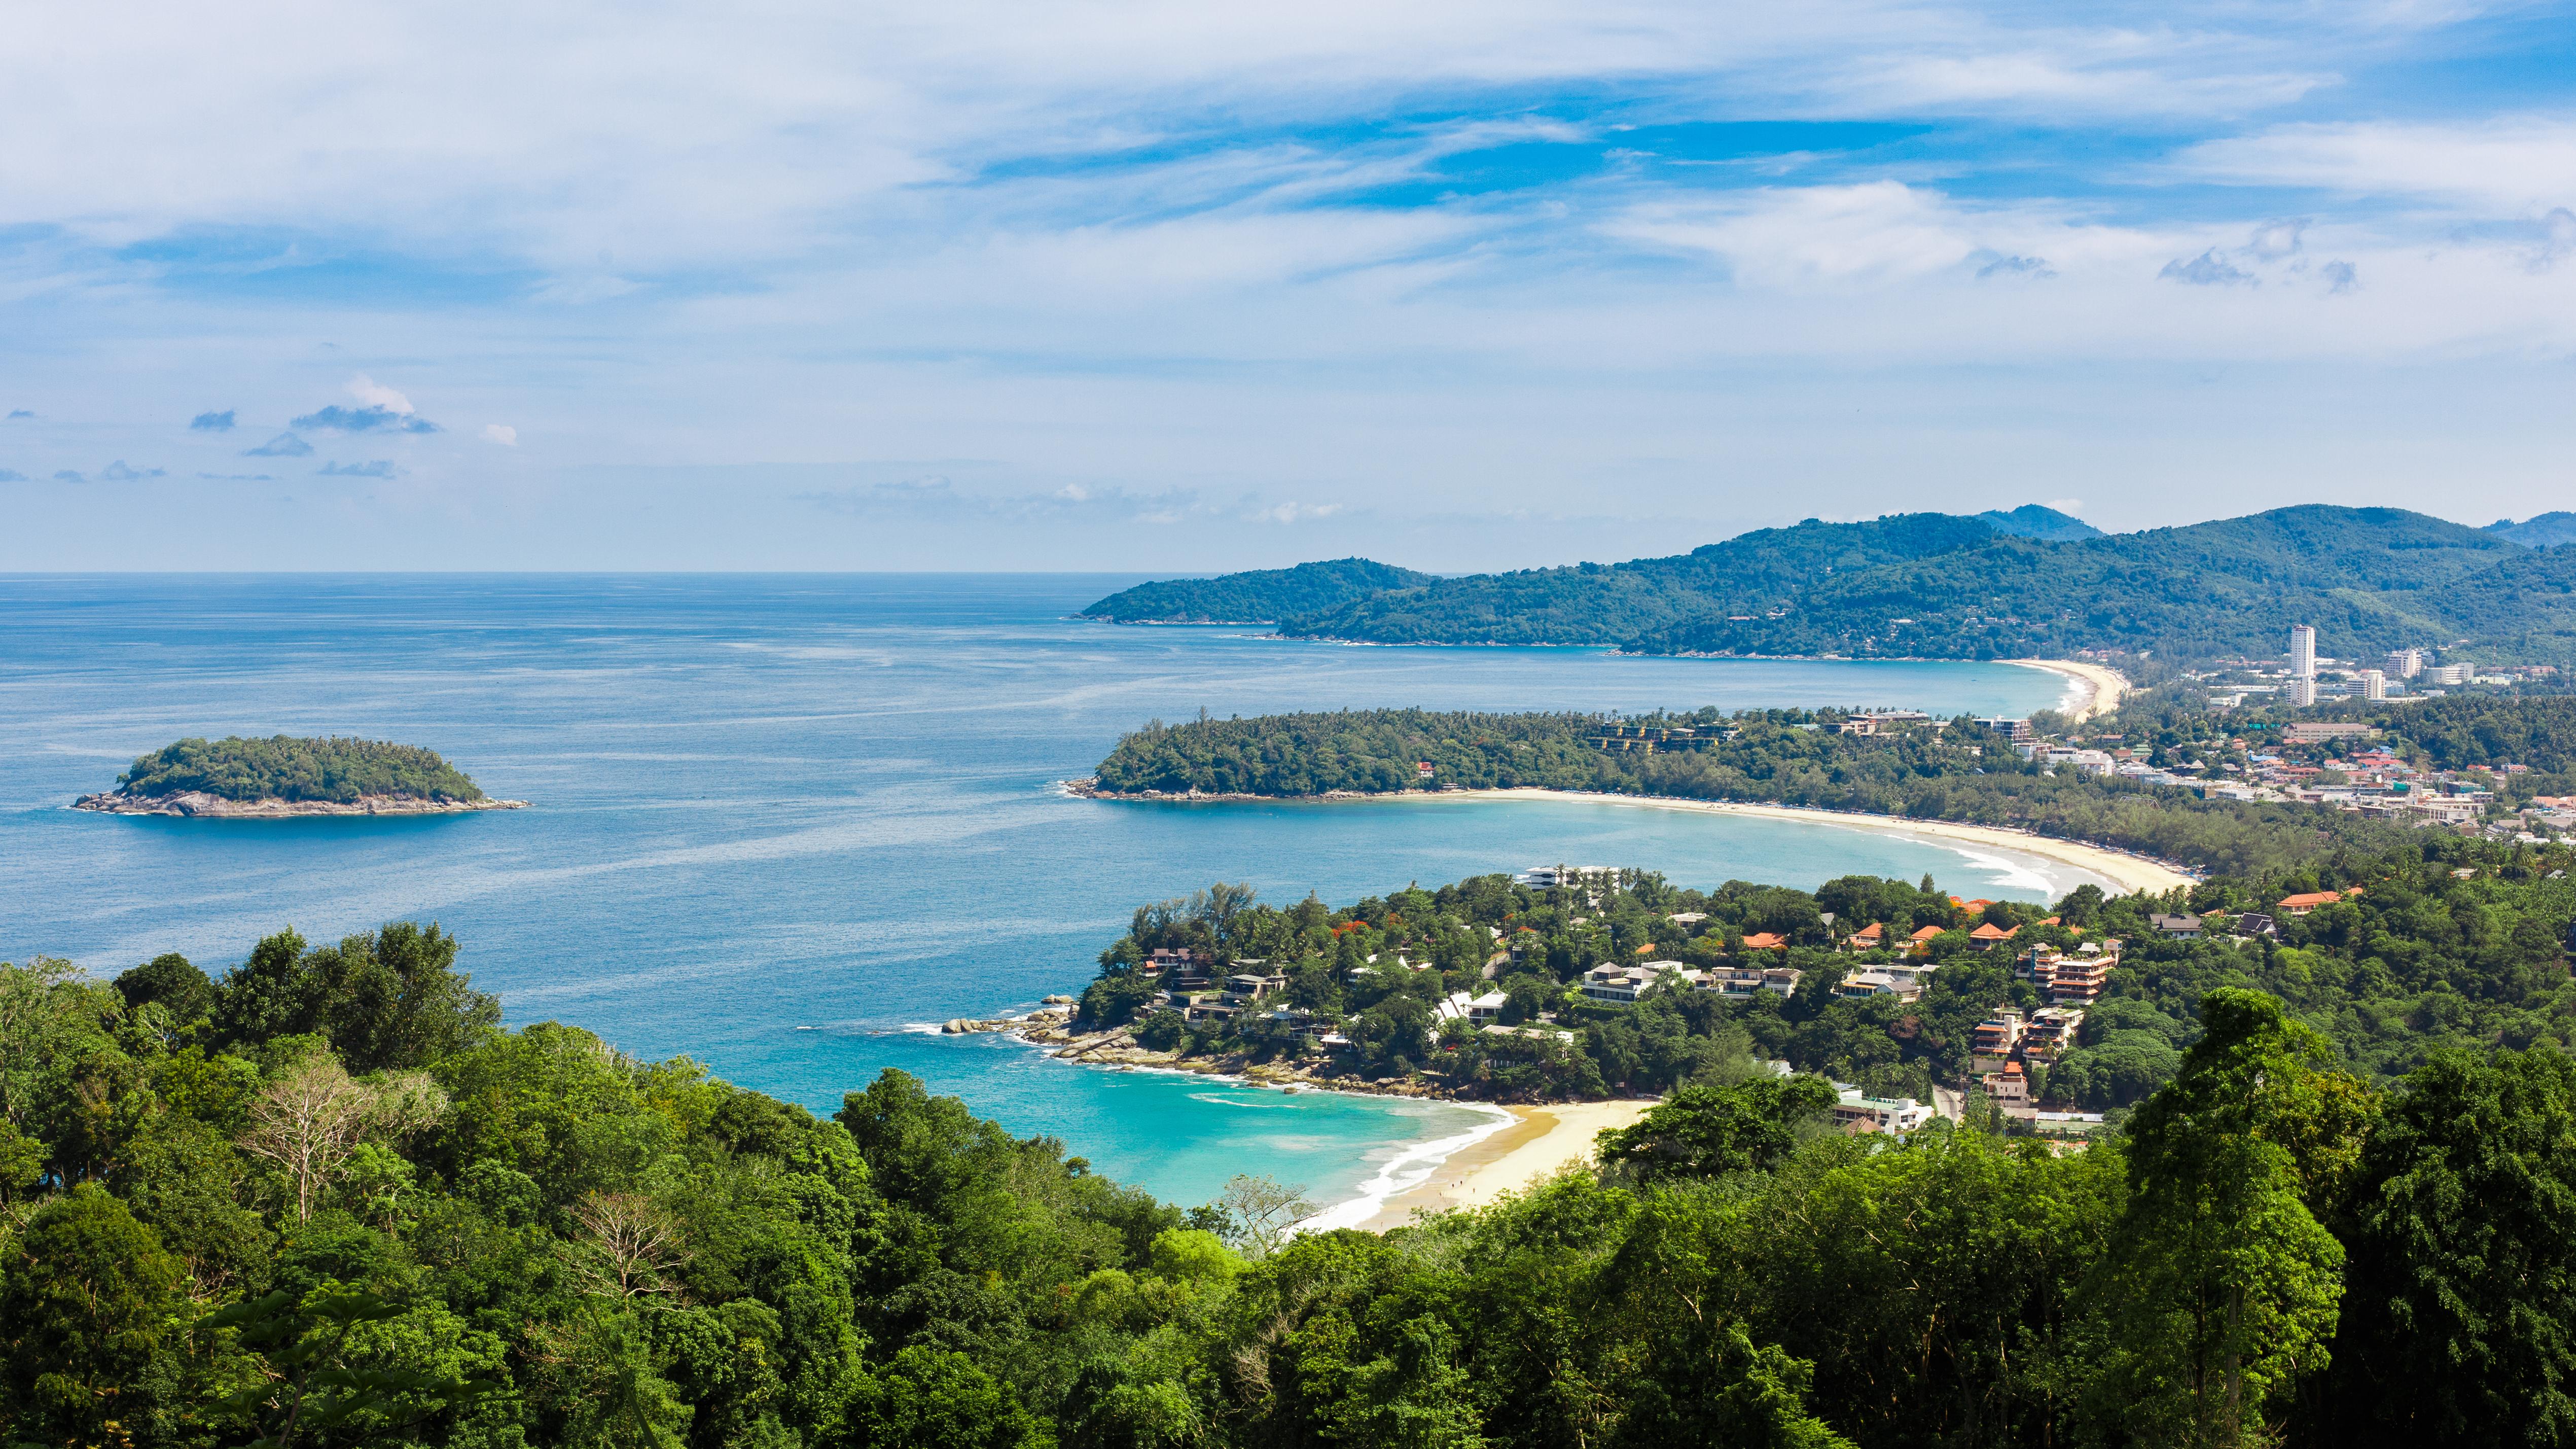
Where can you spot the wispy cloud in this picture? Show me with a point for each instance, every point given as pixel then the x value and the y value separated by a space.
pixel 66 475
pixel 118 472
pixel 501 433
pixel 221 422
pixel 2209 269
pixel 380 468
pixel 12 475
pixel 16 413
pixel 284 445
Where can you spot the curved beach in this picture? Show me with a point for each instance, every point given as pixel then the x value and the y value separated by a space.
pixel 1543 1141
pixel 2104 685
pixel 2129 872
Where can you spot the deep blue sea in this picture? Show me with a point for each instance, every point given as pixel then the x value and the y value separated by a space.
pixel 783 824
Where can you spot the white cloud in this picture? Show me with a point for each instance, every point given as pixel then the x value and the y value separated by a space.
pixel 2501 166
pixel 501 433
pixel 376 395
pixel 1293 512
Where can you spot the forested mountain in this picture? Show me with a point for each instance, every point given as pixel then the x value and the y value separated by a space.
pixel 285 768
pixel 2541 530
pixel 1935 586
pixel 2031 520
pixel 325 1201
pixel 2028 582
pixel 1264 597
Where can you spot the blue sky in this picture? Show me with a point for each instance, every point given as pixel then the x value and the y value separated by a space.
pixel 1155 285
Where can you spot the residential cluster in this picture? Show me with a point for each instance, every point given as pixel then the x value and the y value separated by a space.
pixel 2306 678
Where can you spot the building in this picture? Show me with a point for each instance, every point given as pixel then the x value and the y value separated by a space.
pixel 1244 988
pixel 1765 941
pixel 1904 982
pixel 1569 876
pixel 1996 1040
pixel 2303 652
pixel 2091 762
pixel 1896 1116
pixel 2050 1033
pixel 2014 730
pixel 2010 1089
pixel 2405 663
pixel 1867 938
pixel 2374 684
pixel 2185 927
pixel 2306 901
pixel 1622 985
pixel 1743 983
pixel 2317 734
pixel 2303 690
pixel 2450 673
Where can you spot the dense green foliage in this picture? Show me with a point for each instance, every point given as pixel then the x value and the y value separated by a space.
pixel 2541 530
pixel 1776 756
pixel 1263 597
pixel 212 1235
pixel 1931 585
pixel 285 768
pixel 2032 520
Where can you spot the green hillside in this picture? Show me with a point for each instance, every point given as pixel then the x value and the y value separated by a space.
pixel 1936 586
pixel 1263 597
pixel 2032 520
pixel 286 768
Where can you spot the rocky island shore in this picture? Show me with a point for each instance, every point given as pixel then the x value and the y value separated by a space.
pixel 201 804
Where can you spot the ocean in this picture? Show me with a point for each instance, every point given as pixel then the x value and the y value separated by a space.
pixel 785 825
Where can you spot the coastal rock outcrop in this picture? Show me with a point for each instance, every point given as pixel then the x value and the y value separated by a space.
pixel 199 803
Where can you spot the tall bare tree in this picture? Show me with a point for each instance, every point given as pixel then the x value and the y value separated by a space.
pixel 314 1115
pixel 628 1248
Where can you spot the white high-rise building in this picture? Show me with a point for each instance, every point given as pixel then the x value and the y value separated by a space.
pixel 2405 663
pixel 2374 684
pixel 2303 689
pixel 2303 652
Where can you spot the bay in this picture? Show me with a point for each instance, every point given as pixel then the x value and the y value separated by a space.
pixel 787 824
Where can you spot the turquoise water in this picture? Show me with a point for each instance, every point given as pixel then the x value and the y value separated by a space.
pixel 784 823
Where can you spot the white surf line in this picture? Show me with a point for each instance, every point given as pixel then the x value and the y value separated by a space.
pixel 1409 1168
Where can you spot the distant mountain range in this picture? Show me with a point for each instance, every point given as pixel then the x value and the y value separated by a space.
pixel 2031 582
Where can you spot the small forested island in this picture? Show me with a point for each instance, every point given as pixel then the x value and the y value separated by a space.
pixel 286 776
pixel 328 1200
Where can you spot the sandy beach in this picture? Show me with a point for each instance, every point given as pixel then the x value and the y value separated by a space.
pixel 2107 685
pixel 2128 872
pixel 1543 1140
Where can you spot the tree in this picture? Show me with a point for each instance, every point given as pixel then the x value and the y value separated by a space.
pixel 629 1246
pixel 934 1399
pixel 1258 1212
pixel 308 1386
pixel 2460 1325
pixel 2222 1286
pixel 171 981
pixel 1748 1126
pixel 86 1298
pixel 314 1114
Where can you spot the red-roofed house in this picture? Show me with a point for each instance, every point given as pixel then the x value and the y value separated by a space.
pixel 1765 941
pixel 1869 937
pixel 1990 933
pixel 2306 901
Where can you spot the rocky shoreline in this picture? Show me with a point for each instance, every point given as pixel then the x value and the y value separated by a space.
pixel 1050 1029
pixel 198 804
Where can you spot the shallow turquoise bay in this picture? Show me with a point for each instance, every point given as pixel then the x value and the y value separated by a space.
pixel 783 824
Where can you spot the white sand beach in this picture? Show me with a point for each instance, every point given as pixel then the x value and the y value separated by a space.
pixel 2128 872
pixel 1542 1141
pixel 2106 685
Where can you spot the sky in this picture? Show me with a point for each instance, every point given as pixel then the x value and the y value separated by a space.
pixel 1189 287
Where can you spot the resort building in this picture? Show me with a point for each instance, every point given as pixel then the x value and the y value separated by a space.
pixel 1896 1116
pixel 1622 985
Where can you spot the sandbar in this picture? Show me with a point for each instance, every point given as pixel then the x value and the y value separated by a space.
pixel 1544 1140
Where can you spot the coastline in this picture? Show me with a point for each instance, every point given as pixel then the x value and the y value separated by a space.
pixel 2128 871
pixel 195 804
pixel 1540 1142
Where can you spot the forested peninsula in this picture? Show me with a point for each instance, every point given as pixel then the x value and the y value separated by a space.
pixel 325 1200
pixel 286 776
pixel 2003 586
pixel 1262 597
pixel 1951 771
